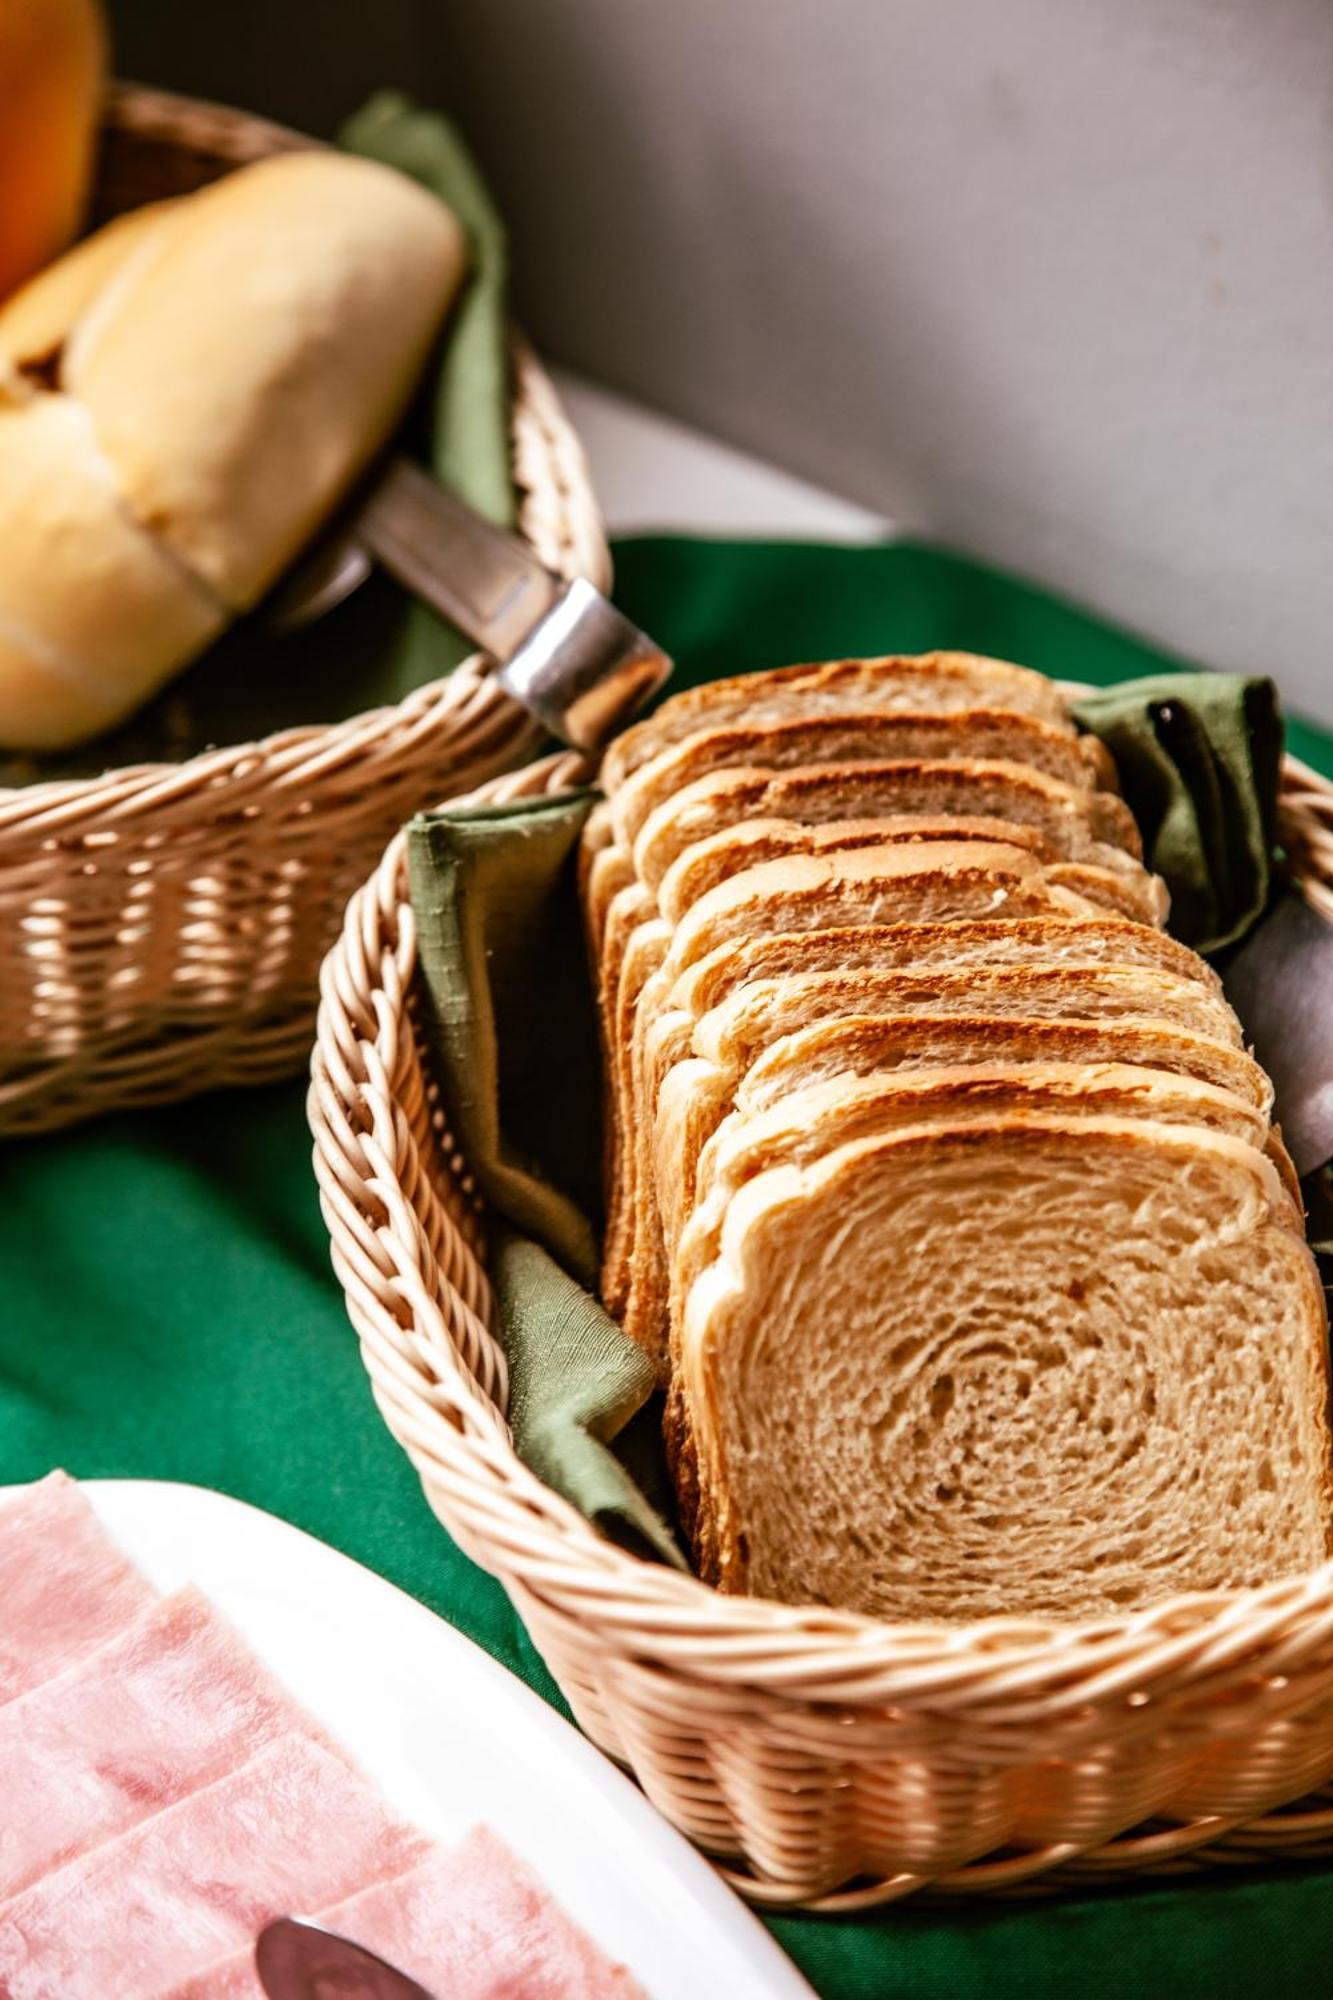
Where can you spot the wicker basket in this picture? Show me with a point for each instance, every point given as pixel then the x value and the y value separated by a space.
pixel 829 1760
pixel 162 927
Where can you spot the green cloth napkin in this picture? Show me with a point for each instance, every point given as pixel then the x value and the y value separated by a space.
pixel 505 986
pixel 167 1311
pixel 1199 757
pixel 380 644
pixel 505 989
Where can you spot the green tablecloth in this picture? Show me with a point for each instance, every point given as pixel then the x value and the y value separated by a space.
pixel 168 1312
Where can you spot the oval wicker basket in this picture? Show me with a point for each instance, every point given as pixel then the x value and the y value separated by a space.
pixel 827 1759
pixel 162 927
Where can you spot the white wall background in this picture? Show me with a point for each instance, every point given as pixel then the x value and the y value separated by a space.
pixel 1052 279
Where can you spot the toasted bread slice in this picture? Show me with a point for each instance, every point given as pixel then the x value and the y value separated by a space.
pixel 1029 1364
pixel 868 737
pixel 803 1126
pixel 942 681
pixel 1073 819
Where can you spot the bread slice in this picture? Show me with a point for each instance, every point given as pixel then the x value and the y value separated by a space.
pixel 699 1092
pixel 1108 877
pixel 869 736
pixel 861 1044
pixel 1094 940
pixel 1138 895
pixel 700 867
pixel 878 884
pixel 883 883
pixel 912 883
pixel 665 1030
pixel 1078 823
pixel 704 863
pixel 697 1095
pixel 798 1129
pixel 1029 1364
pixel 942 681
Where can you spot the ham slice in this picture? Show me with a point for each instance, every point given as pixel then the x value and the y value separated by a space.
pixel 472 1922
pixel 169 1705
pixel 294 1828
pixel 65 1588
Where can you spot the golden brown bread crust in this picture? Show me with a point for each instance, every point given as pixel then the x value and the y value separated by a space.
pixel 1071 817
pixel 958 674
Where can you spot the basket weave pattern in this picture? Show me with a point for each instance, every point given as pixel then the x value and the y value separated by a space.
pixel 827 1759
pixel 162 927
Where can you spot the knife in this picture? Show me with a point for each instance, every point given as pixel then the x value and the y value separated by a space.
pixel 1281 986
pixel 561 649
pixel 300 1960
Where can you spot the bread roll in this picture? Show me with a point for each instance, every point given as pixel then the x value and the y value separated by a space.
pixel 94 612
pixel 245 369
pixel 219 369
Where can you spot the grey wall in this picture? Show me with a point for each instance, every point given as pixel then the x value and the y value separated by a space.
pixel 1050 278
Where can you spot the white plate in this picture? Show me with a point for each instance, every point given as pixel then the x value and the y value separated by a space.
pixel 452 1738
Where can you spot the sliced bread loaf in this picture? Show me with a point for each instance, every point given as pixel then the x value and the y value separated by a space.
pixel 913 881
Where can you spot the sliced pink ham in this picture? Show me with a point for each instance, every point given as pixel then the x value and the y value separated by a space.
pixel 65 1587
pixel 294 1828
pixel 174 1702
pixel 472 1922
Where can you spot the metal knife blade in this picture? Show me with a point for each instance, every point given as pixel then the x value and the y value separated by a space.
pixel 562 649
pixel 1281 985
pixel 300 1960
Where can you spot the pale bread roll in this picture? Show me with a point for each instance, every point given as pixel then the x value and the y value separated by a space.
pixel 241 373
pixel 219 369
pixel 94 613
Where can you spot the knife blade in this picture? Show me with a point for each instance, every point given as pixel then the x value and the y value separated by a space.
pixel 300 1960
pixel 1281 986
pixel 562 649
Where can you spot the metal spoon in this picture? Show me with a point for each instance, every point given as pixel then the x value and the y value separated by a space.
pixel 300 1960
pixel 562 649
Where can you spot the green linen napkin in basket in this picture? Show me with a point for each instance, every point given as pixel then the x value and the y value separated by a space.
pixel 380 644
pixel 1199 757
pixel 510 1011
